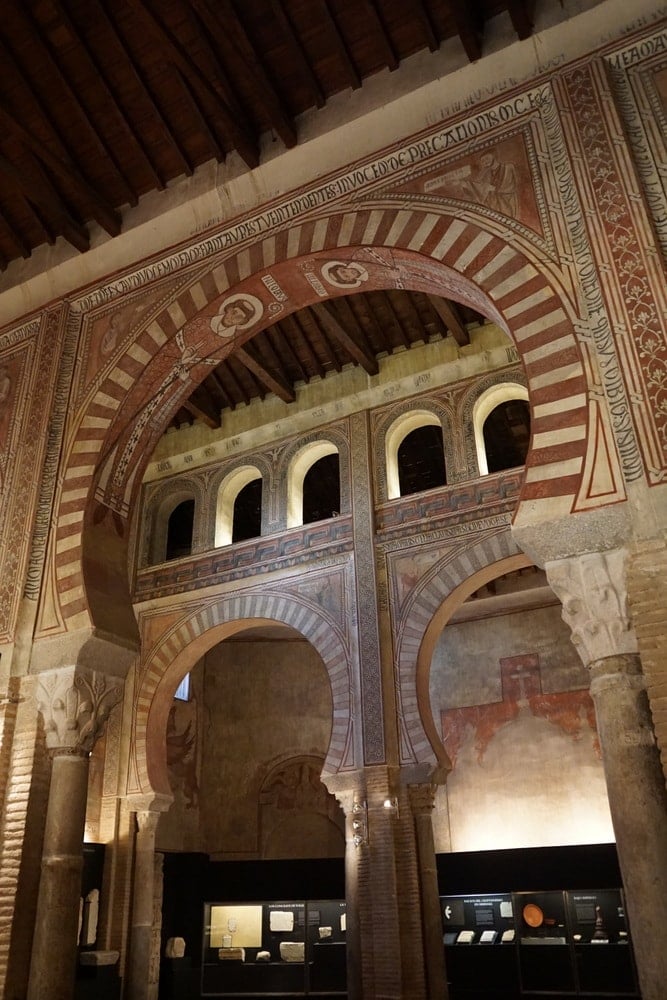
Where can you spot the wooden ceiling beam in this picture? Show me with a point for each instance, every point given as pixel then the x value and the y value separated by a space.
pixel 13 235
pixel 295 332
pixel 451 317
pixel 274 382
pixel 298 53
pixel 379 30
pixel 215 142
pixel 397 322
pixel 99 208
pixel 97 68
pixel 469 27
pixel 416 319
pixel 35 187
pixel 227 367
pixel 286 346
pixel 268 352
pixel 217 382
pixel 174 53
pixel 124 52
pixel 199 414
pixel 46 53
pixel 427 26
pixel 522 16
pixel 265 92
pixel 338 44
pixel 359 352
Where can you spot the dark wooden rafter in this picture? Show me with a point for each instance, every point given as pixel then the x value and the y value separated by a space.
pixel 274 382
pixel 131 67
pixel 12 235
pixel 469 26
pixel 50 58
pixel 287 347
pixel 338 44
pixel 358 351
pixel 274 364
pixel 380 31
pixel 389 305
pixel 236 384
pixel 174 52
pixel 225 398
pixel 413 313
pixel 214 141
pixel 427 26
pixel 200 414
pixel 296 334
pixel 297 52
pixel 264 89
pixel 35 187
pixel 97 70
pixel 521 13
pixel 451 317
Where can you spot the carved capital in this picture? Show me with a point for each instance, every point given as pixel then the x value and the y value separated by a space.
pixel 422 799
pixel 75 707
pixel 592 590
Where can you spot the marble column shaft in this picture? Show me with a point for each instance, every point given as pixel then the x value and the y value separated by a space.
pixel 638 803
pixel 54 950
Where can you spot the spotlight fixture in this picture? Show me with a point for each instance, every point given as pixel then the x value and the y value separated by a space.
pixel 391 805
pixel 359 823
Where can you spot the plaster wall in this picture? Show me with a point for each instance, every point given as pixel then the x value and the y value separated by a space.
pixel 265 702
pixel 510 698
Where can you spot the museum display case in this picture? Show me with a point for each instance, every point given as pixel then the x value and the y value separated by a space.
pixel 573 943
pixel 290 948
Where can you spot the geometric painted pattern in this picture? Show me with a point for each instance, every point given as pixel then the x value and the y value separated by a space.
pixel 409 249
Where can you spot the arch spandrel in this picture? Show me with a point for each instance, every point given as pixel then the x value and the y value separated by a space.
pixel 456 259
pixel 187 639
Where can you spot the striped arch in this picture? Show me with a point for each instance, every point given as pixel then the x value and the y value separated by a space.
pixel 426 251
pixel 432 603
pixel 206 626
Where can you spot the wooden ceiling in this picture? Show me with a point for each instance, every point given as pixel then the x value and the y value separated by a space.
pixel 320 341
pixel 102 101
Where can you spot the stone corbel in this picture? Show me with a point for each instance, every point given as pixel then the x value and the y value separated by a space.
pixel 75 706
pixel 592 590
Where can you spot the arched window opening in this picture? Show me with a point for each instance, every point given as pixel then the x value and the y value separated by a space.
pixel 239 506
pixel 180 528
pixel 421 460
pixel 247 521
pixel 507 435
pixel 321 489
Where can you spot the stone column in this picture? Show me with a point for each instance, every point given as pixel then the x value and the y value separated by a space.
pixel 138 981
pixel 422 801
pixel 74 708
pixel 592 591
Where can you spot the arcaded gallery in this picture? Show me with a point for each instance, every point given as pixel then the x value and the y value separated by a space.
pixel 333 499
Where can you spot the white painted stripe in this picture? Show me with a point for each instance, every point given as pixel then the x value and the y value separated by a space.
pixel 554 471
pixel 199 296
pixel 346 229
pixel 245 268
pixel 78 471
pixel 542 323
pixel 269 249
pixel 104 399
pixel 69 543
pixel 425 230
pixel 69 569
pixel 294 236
pixel 514 281
pixel 138 353
pixel 177 314
pixel 69 495
pixel 398 225
pixel 320 234
pixel 121 378
pixel 546 439
pixel 457 227
pixel 558 405
pixel 536 299
pixel 70 596
pixel 504 257
pixel 540 511
pixel 87 446
pixel 155 331
pixel 219 275
pixel 546 350
pixel 374 220
pixel 556 375
pixel 98 423
pixel 473 249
